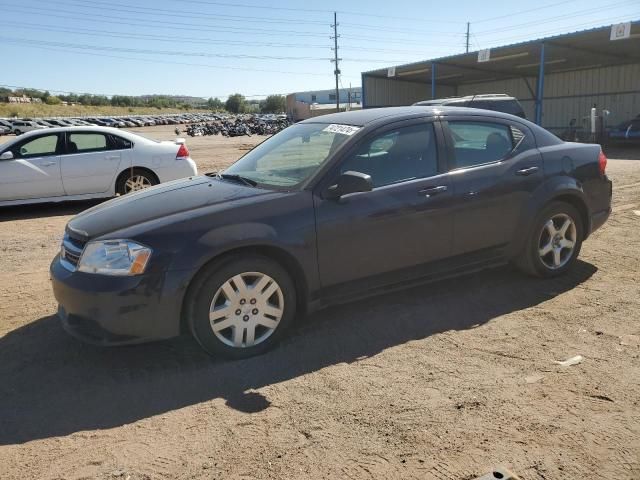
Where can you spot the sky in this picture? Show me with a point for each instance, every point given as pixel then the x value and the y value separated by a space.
pixel 211 48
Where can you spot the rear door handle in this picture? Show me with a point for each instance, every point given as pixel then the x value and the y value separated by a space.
pixel 431 191
pixel 526 171
pixel 113 157
pixel 47 164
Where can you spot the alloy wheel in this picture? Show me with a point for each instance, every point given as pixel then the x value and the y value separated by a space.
pixel 557 241
pixel 137 183
pixel 246 309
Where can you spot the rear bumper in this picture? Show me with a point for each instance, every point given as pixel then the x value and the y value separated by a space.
pixel 105 310
pixel 599 217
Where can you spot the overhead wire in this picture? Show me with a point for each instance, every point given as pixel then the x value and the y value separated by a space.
pixel 220 67
pixel 26 41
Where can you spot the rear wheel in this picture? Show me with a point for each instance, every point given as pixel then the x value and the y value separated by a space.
pixel 134 180
pixel 554 243
pixel 241 306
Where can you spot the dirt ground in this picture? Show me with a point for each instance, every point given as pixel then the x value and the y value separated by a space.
pixel 444 381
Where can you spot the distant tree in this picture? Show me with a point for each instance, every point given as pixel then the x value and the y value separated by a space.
pixel 236 103
pixel 5 93
pixel 53 100
pixel 273 104
pixel 215 103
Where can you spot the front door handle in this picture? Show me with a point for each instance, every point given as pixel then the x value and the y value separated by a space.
pixel 47 164
pixel 431 191
pixel 526 171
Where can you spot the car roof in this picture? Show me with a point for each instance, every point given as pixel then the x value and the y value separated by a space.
pixel 364 117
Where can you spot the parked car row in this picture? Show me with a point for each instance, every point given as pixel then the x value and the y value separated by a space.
pixel 18 126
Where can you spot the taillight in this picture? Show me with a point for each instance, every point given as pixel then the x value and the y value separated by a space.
pixel 183 152
pixel 602 162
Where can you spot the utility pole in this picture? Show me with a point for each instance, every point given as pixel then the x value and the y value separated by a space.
pixel 468 24
pixel 335 58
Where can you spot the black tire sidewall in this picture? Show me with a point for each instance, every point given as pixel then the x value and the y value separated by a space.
pixel 547 213
pixel 207 285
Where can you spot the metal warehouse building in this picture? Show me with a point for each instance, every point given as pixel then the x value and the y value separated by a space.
pixel 556 79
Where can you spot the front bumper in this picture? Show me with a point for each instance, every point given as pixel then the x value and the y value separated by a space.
pixel 107 310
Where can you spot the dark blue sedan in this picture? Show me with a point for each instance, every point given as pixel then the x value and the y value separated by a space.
pixel 330 209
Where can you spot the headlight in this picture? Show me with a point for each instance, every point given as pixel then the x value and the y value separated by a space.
pixel 114 257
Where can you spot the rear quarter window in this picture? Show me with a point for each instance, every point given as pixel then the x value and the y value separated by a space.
pixel 119 143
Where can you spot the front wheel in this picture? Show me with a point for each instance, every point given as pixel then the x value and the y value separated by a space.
pixel 554 243
pixel 241 306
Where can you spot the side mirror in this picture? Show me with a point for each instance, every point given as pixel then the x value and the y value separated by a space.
pixel 349 182
pixel 8 155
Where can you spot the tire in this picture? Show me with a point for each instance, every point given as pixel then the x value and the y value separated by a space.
pixel 17 132
pixel 549 237
pixel 136 179
pixel 246 325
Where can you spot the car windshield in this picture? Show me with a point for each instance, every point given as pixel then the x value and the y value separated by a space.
pixel 290 157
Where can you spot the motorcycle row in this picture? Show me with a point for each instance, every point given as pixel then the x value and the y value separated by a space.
pixel 238 127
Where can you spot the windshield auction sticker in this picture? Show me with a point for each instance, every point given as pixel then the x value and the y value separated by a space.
pixel 343 129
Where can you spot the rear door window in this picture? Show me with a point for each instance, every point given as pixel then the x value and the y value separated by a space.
pixel 477 143
pixel 86 142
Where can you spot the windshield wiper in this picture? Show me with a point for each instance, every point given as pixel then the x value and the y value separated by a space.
pixel 238 178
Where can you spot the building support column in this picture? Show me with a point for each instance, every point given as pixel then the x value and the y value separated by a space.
pixel 433 80
pixel 362 93
pixel 540 90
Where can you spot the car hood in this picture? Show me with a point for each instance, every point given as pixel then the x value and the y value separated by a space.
pixel 158 202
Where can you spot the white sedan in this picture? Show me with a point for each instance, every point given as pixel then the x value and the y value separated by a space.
pixel 78 163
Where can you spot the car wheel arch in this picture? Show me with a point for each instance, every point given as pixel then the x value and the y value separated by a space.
pixel 545 194
pixel 576 201
pixel 127 170
pixel 279 255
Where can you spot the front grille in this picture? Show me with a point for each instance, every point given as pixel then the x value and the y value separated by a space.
pixel 70 252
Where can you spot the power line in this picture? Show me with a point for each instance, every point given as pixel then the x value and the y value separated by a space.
pixel 244 5
pixel 509 15
pixel 312 10
pixel 118 20
pixel 603 22
pixel 601 8
pixel 381 28
pixel 152 52
pixel 155 38
pixel 182 13
pixel 100 18
pixel 161 62
pixel 183 39
pixel 26 41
